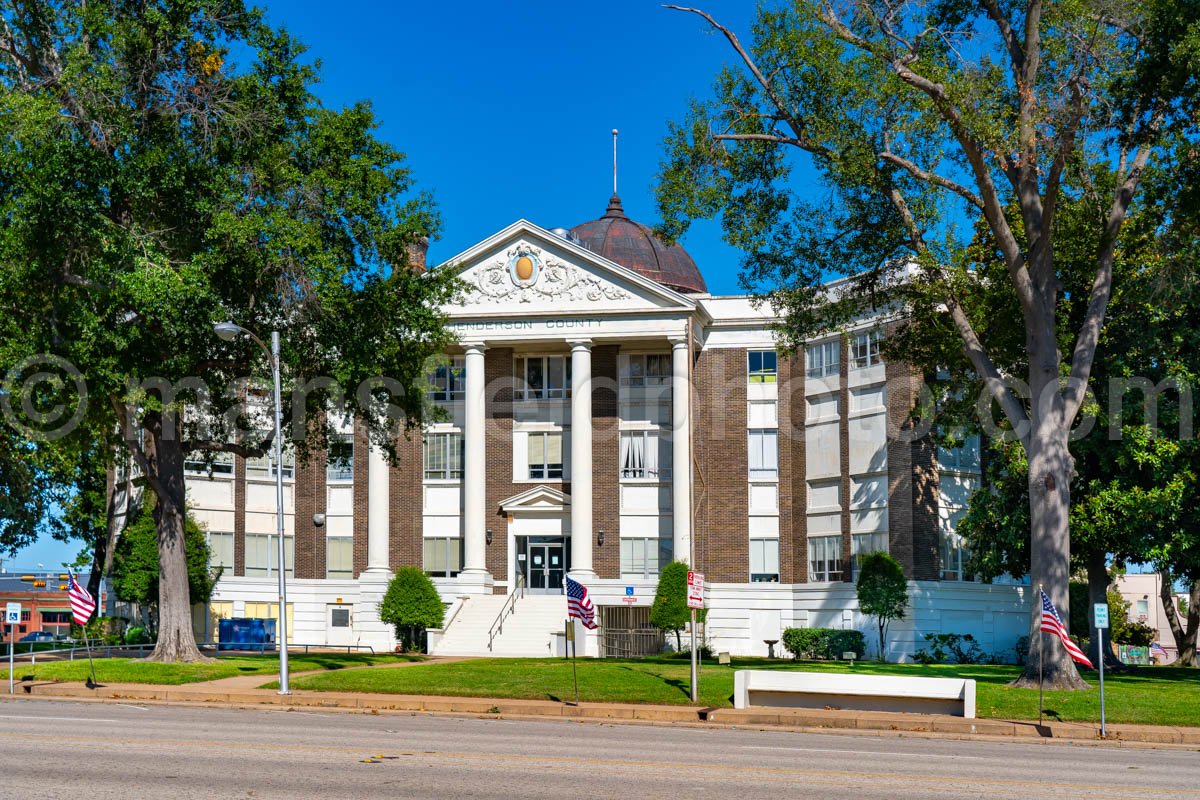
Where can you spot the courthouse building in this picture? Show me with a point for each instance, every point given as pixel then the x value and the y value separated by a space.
pixel 605 414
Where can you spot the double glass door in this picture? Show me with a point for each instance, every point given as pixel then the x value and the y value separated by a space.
pixel 545 566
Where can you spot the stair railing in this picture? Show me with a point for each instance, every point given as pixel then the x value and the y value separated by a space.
pixel 510 607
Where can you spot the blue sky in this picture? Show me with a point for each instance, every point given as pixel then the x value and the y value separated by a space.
pixel 505 110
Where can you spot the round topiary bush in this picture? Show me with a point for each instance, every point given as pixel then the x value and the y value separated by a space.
pixel 411 605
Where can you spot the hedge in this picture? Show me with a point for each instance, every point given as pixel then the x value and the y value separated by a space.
pixel 822 642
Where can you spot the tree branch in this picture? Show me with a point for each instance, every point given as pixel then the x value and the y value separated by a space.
pixel 984 366
pixel 933 178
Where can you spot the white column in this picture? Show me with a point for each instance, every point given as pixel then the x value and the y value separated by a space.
pixel 474 470
pixel 378 517
pixel 581 459
pixel 681 450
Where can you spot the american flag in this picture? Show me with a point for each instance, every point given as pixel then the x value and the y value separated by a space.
pixel 82 604
pixel 579 605
pixel 1052 623
pixel 1156 649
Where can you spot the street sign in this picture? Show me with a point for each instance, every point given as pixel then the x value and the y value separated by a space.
pixel 12 613
pixel 695 598
pixel 1100 612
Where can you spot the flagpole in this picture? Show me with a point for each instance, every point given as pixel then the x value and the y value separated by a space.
pixel 91 664
pixel 1041 653
pixel 574 659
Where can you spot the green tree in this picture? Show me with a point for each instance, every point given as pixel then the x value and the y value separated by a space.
pixel 914 132
pixel 165 166
pixel 670 612
pixel 411 605
pixel 135 569
pixel 882 592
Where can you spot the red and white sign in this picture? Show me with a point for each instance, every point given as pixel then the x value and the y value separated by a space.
pixel 695 590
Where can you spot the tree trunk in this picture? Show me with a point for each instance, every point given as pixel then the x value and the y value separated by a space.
pixel 882 636
pixel 1185 638
pixel 176 642
pixel 1098 583
pixel 1050 468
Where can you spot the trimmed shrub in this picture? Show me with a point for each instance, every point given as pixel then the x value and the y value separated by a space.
pixel 411 605
pixel 670 612
pixel 882 592
pixel 828 643
pixel 949 648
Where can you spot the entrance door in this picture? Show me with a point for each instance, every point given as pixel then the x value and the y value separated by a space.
pixel 544 567
pixel 339 625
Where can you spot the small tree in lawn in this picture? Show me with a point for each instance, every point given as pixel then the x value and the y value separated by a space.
pixel 670 611
pixel 411 605
pixel 882 592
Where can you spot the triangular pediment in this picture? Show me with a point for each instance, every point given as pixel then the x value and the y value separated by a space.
pixel 539 498
pixel 525 269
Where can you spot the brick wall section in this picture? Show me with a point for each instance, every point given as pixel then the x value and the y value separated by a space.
pixel 311 497
pixel 361 466
pixel 239 516
pixel 498 412
pixel 927 564
pixel 793 488
pixel 406 504
pixel 606 500
pixel 719 428
pixel 902 384
pixel 844 448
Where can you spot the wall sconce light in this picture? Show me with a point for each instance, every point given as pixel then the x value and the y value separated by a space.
pixel 488 538
pixel 600 538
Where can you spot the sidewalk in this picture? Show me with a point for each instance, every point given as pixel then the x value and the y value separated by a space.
pixel 235 692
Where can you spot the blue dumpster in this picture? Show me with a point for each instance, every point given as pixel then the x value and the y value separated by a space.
pixel 246 633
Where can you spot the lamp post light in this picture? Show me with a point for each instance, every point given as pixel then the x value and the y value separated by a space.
pixel 227 332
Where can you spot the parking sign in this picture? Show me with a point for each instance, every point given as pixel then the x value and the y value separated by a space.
pixel 12 613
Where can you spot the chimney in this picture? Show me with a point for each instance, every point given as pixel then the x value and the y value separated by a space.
pixel 416 253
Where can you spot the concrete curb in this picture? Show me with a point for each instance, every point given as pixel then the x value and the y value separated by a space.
pixel 761 718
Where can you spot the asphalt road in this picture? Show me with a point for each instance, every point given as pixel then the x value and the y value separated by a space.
pixel 130 752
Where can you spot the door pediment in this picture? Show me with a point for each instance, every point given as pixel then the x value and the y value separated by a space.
pixel 538 499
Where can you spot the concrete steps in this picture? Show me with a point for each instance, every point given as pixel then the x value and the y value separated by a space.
pixel 528 632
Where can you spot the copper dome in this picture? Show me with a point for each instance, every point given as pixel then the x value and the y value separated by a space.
pixel 633 245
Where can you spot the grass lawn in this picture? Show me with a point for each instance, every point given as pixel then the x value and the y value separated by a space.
pixel 129 670
pixel 1153 695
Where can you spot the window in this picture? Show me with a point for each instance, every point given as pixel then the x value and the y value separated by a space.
pixel 764 454
pixel 443 456
pixel 964 458
pixel 652 369
pixel 865 349
pixel 863 543
pixel 1143 609
pixel 824 494
pixel 545 454
pixel 543 378
pixel 824 358
pixel 954 557
pixel 271 611
pixel 340 466
pixel 447 382
pixel 54 617
pixel 262 554
pixel 220 549
pixel 642 558
pixel 264 466
pixel 339 557
pixel 645 454
pixel 763 366
pixel 443 557
pixel 764 560
pixel 197 464
pixel 762 414
pixel 825 558
pixel 26 615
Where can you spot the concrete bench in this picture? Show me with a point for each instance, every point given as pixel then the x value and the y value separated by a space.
pixel 753 687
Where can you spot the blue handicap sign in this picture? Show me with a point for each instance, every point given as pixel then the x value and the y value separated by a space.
pixel 629 591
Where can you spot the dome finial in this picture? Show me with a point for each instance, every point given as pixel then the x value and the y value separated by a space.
pixel 614 207
pixel 614 162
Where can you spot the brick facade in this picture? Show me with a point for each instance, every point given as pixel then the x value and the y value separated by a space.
pixel 606 450
pixel 311 498
pixel 721 524
pixel 498 413
pixel 793 466
pixel 406 503
pixel 239 516
pixel 362 455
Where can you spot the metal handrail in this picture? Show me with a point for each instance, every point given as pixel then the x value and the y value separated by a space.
pixel 109 649
pixel 510 607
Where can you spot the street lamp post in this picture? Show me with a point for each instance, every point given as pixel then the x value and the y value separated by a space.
pixel 229 331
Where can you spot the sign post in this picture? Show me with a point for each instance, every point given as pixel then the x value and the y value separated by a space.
pixel 695 599
pixel 12 617
pixel 1100 612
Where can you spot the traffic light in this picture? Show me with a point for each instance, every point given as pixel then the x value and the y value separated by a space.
pixel 39 584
